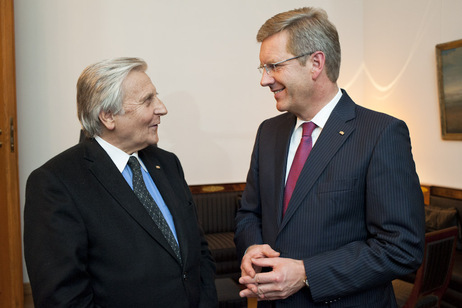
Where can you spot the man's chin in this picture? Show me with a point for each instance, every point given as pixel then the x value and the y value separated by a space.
pixel 154 142
pixel 280 106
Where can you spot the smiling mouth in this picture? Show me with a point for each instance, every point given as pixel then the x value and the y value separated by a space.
pixel 278 91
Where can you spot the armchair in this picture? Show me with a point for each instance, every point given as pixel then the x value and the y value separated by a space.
pixel 433 276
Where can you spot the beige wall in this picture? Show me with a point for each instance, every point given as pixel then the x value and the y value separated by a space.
pixel 399 56
pixel 203 57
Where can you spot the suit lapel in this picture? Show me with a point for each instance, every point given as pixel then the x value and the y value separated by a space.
pixel 103 168
pixel 336 131
pixel 283 134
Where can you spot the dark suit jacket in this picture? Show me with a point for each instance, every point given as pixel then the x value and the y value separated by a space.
pixel 89 242
pixel 356 217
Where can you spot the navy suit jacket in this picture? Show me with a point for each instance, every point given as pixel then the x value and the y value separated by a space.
pixel 356 216
pixel 89 242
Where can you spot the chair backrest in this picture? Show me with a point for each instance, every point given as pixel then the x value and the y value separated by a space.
pixel 217 205
pixel 433 276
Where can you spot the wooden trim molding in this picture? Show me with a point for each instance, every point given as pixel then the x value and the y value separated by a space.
pixel 28 300
pixel 11 275
pixel 211 188
pixel 447 192
pixel 27 289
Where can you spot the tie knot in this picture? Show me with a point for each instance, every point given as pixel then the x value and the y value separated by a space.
pixel 133 163
pixel 308 128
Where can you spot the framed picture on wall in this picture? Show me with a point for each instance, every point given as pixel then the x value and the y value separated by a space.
pixel 449 71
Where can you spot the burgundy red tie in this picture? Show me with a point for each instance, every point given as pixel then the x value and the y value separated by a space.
pixel 303 150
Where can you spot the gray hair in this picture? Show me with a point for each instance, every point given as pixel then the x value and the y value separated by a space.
pixel 99 88
pixel 309 30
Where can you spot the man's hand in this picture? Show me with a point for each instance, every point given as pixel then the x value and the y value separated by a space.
pixel 285 279
pixel 256 252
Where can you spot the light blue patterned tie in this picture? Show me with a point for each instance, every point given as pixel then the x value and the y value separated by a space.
pixel 140 190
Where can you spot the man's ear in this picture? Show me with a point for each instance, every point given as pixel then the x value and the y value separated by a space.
pixel 318 61
pixel 107 118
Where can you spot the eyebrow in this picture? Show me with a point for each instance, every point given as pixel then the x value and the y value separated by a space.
pixel 148 96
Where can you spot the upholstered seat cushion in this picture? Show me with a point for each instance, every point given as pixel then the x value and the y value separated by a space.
pixel 437 218
pixel 222 245
pixel 403 291
pixel 224 252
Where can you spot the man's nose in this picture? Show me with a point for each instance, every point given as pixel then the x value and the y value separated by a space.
pixel 160 108
pixel 266 79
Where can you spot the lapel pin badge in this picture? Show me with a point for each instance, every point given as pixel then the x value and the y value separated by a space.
pixel 157 167
pixel 341 132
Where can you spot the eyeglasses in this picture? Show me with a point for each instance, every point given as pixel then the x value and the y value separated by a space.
pixel 270 68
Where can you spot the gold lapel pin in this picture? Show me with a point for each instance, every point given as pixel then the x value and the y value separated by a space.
pixel 157 167
pixel 341 132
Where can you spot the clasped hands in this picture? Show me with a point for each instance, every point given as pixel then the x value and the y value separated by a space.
pixel 286 277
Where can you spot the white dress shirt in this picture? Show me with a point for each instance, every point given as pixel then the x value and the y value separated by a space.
pixel 320 120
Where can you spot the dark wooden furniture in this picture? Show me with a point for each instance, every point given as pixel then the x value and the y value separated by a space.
pixel 432 277
pixel 447 198
pixel 11 274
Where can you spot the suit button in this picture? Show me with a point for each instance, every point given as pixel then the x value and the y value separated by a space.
pixel 185 276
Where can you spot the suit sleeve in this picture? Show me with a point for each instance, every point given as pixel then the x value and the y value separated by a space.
pixel 394 220
pixel 208 296
pixel 248 218
pixel 55 242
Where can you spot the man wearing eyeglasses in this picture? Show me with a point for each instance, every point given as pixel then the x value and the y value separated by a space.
pixel 332 211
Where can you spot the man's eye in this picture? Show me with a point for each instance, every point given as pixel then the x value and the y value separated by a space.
pixel 272 67
pixel 275 67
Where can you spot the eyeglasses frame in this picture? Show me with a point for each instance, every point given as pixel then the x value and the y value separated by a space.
pixel 275 65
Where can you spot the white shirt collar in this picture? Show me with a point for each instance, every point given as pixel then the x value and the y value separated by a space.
pixel 119 157
pixel 321 117
pixel 320 120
